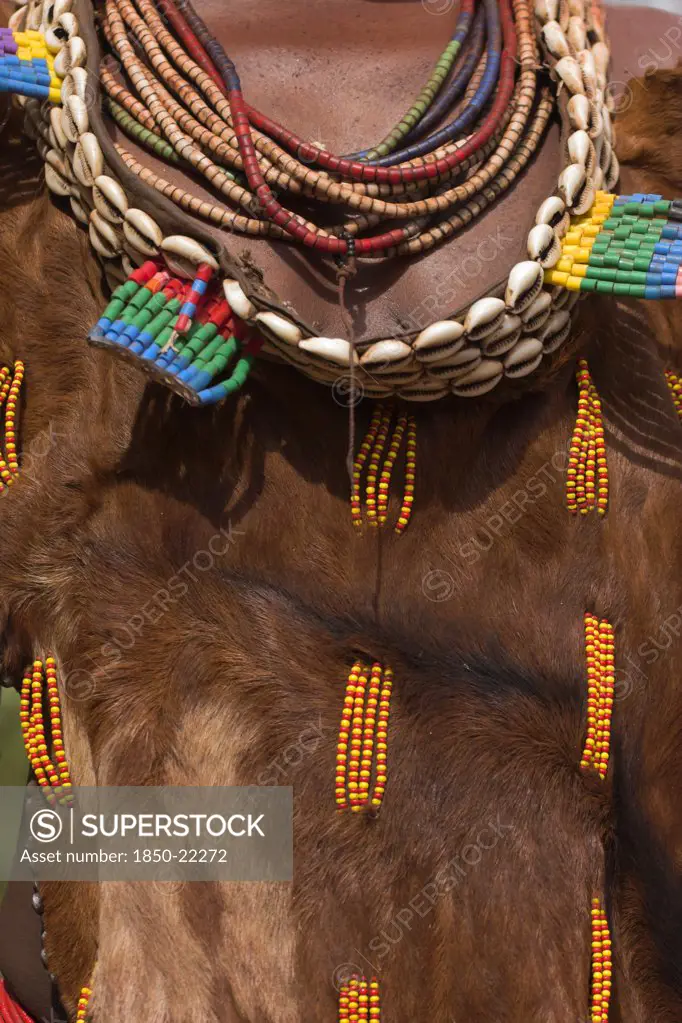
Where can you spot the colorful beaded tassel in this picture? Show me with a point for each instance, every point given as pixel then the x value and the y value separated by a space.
pixel 624 245
pixel 675 384
pixel 363 737
pixel 10 388
pixel 601 964
pixel 51 774
pixel 587 476
pixel 27 66
pixel 599 651
pixel 377 484
pixel 359 1000
pixel 83 1002
pixel 182 333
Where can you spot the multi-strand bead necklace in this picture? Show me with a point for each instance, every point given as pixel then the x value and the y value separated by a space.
pixel 10 389
pixel 363 739
pixel 378 481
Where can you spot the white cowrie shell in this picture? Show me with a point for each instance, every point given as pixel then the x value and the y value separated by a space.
pixel 114 274
pixel 602 57
pixel 88 162
pixel 569 71
pixel 563 15
pixel 461 363
pixel 579 112
pixel 237 300
pixel 598 179
pixel 605 154
pixel 53 10
pixel 607 125
pixel 576 34
pixel 75 84
pixel 479 380
pixel 333 349
pixel 55 38
pixel 589 72
pixel 74 118
pixel 79 211
pixel 187 249
pixel 109 199
pixel 34 14
pixel 553 212
pixel 55 182
pixel 576 9
pixel 438 340
pixel 57 160
pixel 543 246
pixel 103 237
pixel 555 40
pixel 505 337
pixel 537 312
pixel 56 125
pixel 525 282
pixel 71 55
pixel 579 147
pixel 484 317
pixel 17 20
pixel 425 390
pixel 574 188
pixel 524 358
pixel 43 148
pixel 546 10
pixel 555 331
pixel 134 255
pixel 127 263
pixel 386 356
pixel 282 328
pixel 142 232
pixel 68 23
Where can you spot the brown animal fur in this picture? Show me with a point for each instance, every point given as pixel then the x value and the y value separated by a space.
pixel 488 715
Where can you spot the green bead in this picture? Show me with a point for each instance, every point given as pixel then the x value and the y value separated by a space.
pixel 114 309
pixel 596 260
pixel 662 206
pixel 637 291
pixel 588 284
pixel 631 277
pixel 642 264
pixel 605 287
pixel 621 289
pixel 611 259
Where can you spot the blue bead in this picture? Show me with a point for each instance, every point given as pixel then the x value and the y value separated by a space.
pixel 103 324
pixel 652 292
pixel 653 279
pixel 212 394
pixel 668 291
pixel 200 379
pixel 151 352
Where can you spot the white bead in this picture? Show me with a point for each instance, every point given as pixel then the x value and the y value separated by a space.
pixel 237 300
pixel 278 325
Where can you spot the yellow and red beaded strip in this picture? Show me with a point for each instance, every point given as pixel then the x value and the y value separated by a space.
pixel 601 964
pixel 359 1000
pixel 378 481
pixel 600 654
pixel 587 476
pixel 10 388
pixel 675 384
pixel 51 775
pixel 363 739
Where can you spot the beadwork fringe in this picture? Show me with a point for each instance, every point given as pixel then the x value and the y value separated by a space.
pixel 51 774
pixel 675 384
pixel 601 964
pixel 599 652
pixel 377 484
pixel 363 737
pixel 83 1003
pixel 182 333
pixel 624 245
pixel 11 1011
pixel 10 388
pixel 360 1000
pixel 587 477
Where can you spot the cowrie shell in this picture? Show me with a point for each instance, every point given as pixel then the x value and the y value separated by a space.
pixel 439 340
pixel 88 162
pixel 579 112
pixel 127 263
pixel 563 15
pixel 479 380
pixel 602 58
pixel 109 199
pixel 142 232
pixel 333 349
pixel 17 20
pixel 55 38
pixel 53 10
pixel 189 252
pixel 576 9
pixel 57 160
pixel 525 282
pixel 282 328
pixel 75 84
pixel 71 55
pixel 524 358
pixel 576 34
pixel 546 10
pixel 553 212
pixel 103 237
pixel 589 72
pixel 386 356
pixel 68 23
pixel 237 300
pixel 424 390
pixel 537 312
pixel 74 118
pixel 612 174
pixel 114 274
pixel 574 189
pixel 543 246
pixel 569 71
pixel 459 364
pixel 80 212
pixel 55 182
pixel 34 15
pixel 555 40
pixel 555 331
pixel 505 337
pixel 57 127
pixel 484 317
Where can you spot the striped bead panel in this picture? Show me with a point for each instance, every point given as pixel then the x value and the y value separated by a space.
pixel 27 66
pixel 625 245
